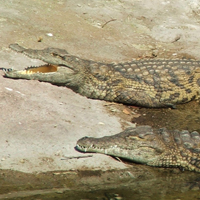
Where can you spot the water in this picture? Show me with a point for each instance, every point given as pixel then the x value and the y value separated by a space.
pixel 136 182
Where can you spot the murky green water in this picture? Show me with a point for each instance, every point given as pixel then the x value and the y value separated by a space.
pixel 122 193
pixel 136 182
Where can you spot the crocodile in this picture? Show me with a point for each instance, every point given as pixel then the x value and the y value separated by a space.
pixel 145 82
pixel 153 147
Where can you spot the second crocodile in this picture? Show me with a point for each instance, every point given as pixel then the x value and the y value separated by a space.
pixel 147 83
pixel 153 147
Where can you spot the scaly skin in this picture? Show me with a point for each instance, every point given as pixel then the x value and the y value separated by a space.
pixel 147 83
pixel 153 147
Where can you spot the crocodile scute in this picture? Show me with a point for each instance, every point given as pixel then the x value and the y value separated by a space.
pixel 146 82
pixel 153 147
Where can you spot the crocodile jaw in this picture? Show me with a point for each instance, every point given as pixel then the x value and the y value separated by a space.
pixel 143 155
pixel 54 74
pixel 52 56
pixel 130 145
pixel 31 70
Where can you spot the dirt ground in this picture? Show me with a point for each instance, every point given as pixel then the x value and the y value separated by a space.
pixel 40 123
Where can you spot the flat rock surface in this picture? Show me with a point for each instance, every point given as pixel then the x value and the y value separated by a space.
pixel 40 123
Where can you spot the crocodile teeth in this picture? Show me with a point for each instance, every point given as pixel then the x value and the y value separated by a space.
pixel 6 69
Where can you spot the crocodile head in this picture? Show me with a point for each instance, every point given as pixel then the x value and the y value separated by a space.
pixel 59 68
pixel 135 144
pixel 153 147
pixel 54 74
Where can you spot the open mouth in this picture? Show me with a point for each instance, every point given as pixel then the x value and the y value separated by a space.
pixel 54 74
pixel 41 69
pixel 47 68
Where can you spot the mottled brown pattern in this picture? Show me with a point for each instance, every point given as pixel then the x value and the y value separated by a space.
pixel 148 83
pixel 153 147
